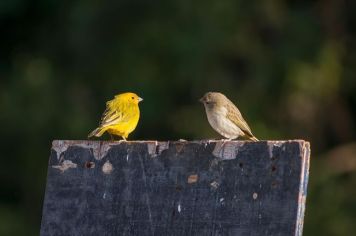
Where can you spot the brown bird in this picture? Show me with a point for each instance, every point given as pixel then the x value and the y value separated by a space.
pixel 225 117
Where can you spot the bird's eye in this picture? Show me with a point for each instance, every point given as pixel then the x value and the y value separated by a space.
pixel 132 98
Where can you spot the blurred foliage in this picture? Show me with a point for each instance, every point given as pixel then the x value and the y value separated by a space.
pixel 289 65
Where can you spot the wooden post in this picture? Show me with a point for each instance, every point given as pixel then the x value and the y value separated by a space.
pixel 176 188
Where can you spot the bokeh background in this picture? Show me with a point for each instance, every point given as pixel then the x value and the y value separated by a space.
pixel 290 66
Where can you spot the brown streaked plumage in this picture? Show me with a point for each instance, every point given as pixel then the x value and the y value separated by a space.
pixel 225 117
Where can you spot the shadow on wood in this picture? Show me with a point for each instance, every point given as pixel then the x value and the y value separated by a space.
pixel 176 188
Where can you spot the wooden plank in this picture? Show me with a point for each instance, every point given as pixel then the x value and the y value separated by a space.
pixel 176 188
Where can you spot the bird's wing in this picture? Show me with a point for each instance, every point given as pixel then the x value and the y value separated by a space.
pixel 112 115
pixel 235 116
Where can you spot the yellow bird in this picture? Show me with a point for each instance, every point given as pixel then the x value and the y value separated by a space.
pixel 120 117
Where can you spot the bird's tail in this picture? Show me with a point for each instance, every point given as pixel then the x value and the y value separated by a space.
pixel 252 138
pixel 97 132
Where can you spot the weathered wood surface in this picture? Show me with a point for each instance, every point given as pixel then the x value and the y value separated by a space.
pixel 176 188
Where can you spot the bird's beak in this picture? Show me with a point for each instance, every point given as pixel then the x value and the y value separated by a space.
pixel 140 99
pixel 201 100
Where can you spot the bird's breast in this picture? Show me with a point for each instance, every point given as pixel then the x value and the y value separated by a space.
pixel 221 124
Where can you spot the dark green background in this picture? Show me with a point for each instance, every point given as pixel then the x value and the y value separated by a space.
pixel 290 66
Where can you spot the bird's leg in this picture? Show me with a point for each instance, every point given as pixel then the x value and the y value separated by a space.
pixel 123 138
pixel 224 140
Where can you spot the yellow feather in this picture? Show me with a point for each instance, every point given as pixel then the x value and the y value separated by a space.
pixel 120 117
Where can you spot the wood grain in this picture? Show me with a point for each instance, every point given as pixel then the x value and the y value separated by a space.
pixel 176 188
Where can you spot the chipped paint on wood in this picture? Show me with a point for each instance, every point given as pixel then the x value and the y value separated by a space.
pixel 208 187
pixel 107 168
pixel 227 150
pixel 65 165
pixel 214 184
pixel 192 179
pixel 59 147
pixel 155 148
pixel 99 149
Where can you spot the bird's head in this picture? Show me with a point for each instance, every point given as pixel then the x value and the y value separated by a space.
pixel 130 98
pixel 211 99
